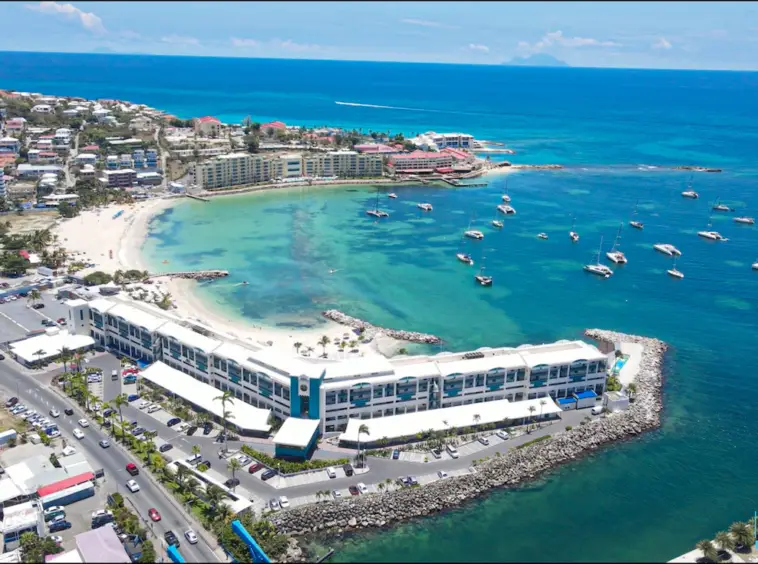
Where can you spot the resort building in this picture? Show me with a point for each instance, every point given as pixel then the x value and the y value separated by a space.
pixel 207 126
pixel 432 141
pixel 15 125
pixel 421 162
pixel 27 170
pixel 123 178
pixel 338 391
pixel 10 144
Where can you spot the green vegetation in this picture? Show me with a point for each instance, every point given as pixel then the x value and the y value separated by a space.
pixel 39 241
pixel 97 277
pixel 613 384
pixel 533 441
pixel 273 543
pixel 92 194
pixel 290 467
pixel 34 548
pixel 129 276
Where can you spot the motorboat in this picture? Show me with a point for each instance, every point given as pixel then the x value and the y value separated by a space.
pixel 463 257
pixel 597 268
pixel 674 272
pixel 712 235
pixel 637 224
pixel 690 194
pixel 755 265
pixel 542 236
pixel 425 207
pixel 614 254
pixel 573 234
pixel 483 280
pixel 497 223
pixel 507 210
pixel 506 198
pixel 392 195
pixel 721 207
pixel 667 249
pixel 474 234
pixel 745 220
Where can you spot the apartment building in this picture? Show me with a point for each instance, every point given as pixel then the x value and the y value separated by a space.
pixel 336 391
pixel 421 162
pixel 432 141
pixel 123 178
pixel 207 126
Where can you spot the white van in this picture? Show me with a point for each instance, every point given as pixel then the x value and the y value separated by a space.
pixel 452 451
pixel 331 473
pixel 597 410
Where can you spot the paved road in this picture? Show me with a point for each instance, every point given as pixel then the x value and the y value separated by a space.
pixel 113 461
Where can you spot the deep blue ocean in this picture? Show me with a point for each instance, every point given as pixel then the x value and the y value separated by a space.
pixel 617 132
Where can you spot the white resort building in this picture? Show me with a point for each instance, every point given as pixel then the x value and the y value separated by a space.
pixel 338 391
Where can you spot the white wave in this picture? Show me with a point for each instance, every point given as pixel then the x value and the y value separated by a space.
pixel 379 107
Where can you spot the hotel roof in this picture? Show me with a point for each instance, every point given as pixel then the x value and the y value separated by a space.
pixel 208 119
pixel 420 155
pixel 359 367
pixel 136 316
pixel 296 432
pixel 245 415
pixel 50 345
pixel 188 337
pixel 463 366
pixel 417 369
pixel 560 353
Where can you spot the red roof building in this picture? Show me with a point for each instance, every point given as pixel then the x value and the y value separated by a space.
pixel 64 484
pixel 24 254
pixel 273 125
pixel 208 119
pixel 375 148
pixel 420 161
pixel 457 154
pixel 91 148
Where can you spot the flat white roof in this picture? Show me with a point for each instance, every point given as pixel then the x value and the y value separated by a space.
pixel 245 416
pixel 18 517
pixel 136 316
pixel 69 557
pixel 101 305
pixel 358 367
pixel 286 363
pixel 560 353
pixel 296 432
pixel 506 361
pixel 396 426
pixel 86 156
pixel 50 345
pixel 9 490
pixel 188 337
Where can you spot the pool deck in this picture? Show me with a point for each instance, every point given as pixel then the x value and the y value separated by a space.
pixel 632 365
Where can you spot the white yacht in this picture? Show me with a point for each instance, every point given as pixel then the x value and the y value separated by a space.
pixel 721 207
pixel 755 265
pixel 463 257
pixel 712 235
pixel 425 207
pixel 497 223
pixel 376 212
pixel 667 249
pixel 506 198
pixel 474 234
pixel 573 234
pixel 636 224
pixel 542 236
pixel 507 210
pixel 745 220
pixel 673 271
pixel 597 268
pixel 614 254
pixel 690 194
pixel 392 195
pixel 482 279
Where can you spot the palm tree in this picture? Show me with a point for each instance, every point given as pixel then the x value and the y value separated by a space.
pixel 118 402
pixel 708 550
pixel 725 540
pixel 362 430
pixel 477 418
pixel 631 389
pixel 224 398
pixel 39 354
pixel 78 358
pixel 742 533
pixel 297 346
pixel 323 342
pixel 195 449
pixel 532 409
pixel 543 403
pixel 34 296
pixel 65 357
pixel 381 486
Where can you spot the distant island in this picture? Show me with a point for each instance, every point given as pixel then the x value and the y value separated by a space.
pixel 537 60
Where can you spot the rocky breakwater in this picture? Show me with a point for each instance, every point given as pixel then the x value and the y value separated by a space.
pixel 198 274
pixel 537 167
pixel 516 466
pixel 372 330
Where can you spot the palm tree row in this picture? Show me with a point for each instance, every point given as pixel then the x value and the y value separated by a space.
pixel 740 536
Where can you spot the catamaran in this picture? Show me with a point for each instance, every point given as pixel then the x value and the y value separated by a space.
pixel 745 220
pixel 712 235
pixel 506 197
pixel 718 206
pixel 507 210
pixel 633 223
pixel 689 192
pixel 376 212
pixel 667 249
pixel 425 207
pixel 481 278
pixel 614 254
pixel 392 195
pixel 597 268
pixel 542 236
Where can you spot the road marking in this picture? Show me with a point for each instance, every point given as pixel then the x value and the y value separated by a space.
pixel 13 321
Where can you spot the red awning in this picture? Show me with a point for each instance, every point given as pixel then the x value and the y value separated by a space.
pixel 444 169
pixel 64 484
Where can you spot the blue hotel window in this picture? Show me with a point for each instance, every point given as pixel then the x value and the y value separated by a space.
pixel 423 386
pixel 286 393
pixel 278 390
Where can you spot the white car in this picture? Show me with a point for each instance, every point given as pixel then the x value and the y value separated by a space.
pixel 101 513
pixel 83 423
pixel 190 535
pixel 54 434
pixel 274 504
pixel 57 539
pixel 484 440
pixel 452 451
pixel 442 474
pixel 143 404
pixel 55 413
pixel 133 486
pixel 182 427
pixel 78 434
pixel 362 487
pixel 284 502
pixel 153 408
pixel 503 435
pixel 54 510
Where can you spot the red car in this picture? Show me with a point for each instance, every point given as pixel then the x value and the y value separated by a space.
pixel 154 515
pixel 62 320
pixel 354 490
pixel 255 467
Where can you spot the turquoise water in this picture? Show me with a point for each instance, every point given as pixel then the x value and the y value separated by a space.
pixel 648 499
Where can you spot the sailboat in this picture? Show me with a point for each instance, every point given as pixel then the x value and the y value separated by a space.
pixel 712 235
pixel 473 233
pixel 718 206
pixel 614 254
pixel 506 197
pixel 674 272
pixel 481 278
pixel 573 234
pixel 597 268
pixel 633 223
pixel 689 192
pixel 376 212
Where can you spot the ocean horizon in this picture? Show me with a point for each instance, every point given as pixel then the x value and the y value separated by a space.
pixel 619 133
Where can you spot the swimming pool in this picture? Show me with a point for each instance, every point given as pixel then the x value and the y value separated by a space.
pixel 619 364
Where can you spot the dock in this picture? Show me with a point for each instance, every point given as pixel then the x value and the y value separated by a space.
pixel 326 556
pixel 197 198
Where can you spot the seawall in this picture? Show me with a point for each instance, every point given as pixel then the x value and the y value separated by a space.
pixel 516 466
pixel 371 330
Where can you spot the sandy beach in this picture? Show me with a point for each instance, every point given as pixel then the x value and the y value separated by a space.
pixel 115 244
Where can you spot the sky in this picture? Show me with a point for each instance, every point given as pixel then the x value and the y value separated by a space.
pixel 686 35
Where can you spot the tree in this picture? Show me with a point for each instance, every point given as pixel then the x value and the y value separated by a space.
pixel 233 466
pixel 39 354
pixel 97 278
pixel 532 409
pixel 13 264
pixel 34 296
pixel 224 398
pixel 725 540
pixel 196 449
pixel 118 402
pixel 708 550
pixel 165 302
pixel 148 552
pixel 543 403
pixel 477 418
pixel 297 346
pixel 742 533
pixel 34 548
pixel 323 342
pixel 631 389
pixel 362 430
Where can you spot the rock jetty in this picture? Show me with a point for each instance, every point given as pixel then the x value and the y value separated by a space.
pixel 697 168
pixel 516 466
pixel 538 167
pixel 371 330
pixel 195 274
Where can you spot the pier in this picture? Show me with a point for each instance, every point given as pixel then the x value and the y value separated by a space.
pixel 194 274
pixel 199 198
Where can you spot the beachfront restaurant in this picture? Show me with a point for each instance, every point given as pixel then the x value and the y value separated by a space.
pixel 244 418
pixel 296 438
pixel 397 429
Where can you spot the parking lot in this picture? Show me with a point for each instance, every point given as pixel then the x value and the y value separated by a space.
pixel 463 450
pixel 17 318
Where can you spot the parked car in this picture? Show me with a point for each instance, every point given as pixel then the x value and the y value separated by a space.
pixel 108 412
pixel 274 504
pixel 190 535
pixel 331 473
pixel 153 408
pixel 138 431
pixel 207 428
pixel 181 427
pixel 59 526
pixel 452 451
pixel 502 434
pixel 354 490
pixel 143 404
pixel 412 480
pixel 348 470
pixel 441 474
pixel 255 467
pixel 206 463
pixel 54 511
pixel 11 401
pixel 100 513
pixel 132 397
pixel 38 306
pixel 436 453
pixel 133 486
pixel 173 421
pixel 170 538
pixel 78 434
pixel 2 357
pixel 194 459
pixel 268 474
pixel 232 483
pixel 362 488
pixel 484 440
pixel 132 469
pixel 192 429
pixel 68 411
pixel 284 502
pixel 165 447
pixel 153 514
pixel 336 494
pixel 395 454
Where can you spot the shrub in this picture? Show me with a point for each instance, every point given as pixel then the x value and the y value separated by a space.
pixel 569 427
pixel 289 467
pixel 537 440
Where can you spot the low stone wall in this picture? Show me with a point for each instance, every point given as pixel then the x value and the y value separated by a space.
pixel 371 330
pixel 518 465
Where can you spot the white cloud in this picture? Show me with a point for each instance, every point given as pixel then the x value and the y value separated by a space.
pixel 478 47
pixel 556 38
pixel 88 20
pixel 289 45
pixel 237 42
pixel 662 43
pixel 426 23
pixel 179 40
